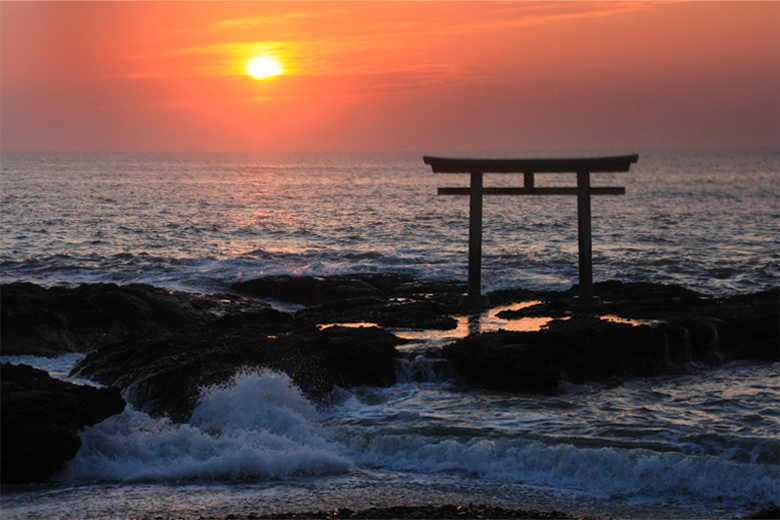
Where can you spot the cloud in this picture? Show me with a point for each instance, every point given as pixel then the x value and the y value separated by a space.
pixel 365 38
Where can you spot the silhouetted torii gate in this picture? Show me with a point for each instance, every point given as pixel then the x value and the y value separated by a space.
pixel 583 167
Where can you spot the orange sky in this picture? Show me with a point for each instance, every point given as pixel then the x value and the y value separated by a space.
pixel 389 76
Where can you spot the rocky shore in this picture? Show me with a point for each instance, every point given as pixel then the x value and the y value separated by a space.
pixel 41 418
pixel 447 511
pixel 159 348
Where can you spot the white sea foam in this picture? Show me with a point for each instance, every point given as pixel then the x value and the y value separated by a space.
pixel 258 427
pixel 605 472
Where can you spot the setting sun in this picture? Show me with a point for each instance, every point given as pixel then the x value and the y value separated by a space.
pixel 263 67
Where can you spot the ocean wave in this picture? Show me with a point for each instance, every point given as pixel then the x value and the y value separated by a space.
pixel 258 427
pixel 605 472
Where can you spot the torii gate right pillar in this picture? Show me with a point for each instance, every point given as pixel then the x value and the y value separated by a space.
pixel 474 297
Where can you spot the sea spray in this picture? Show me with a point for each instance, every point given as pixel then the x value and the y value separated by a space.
pixel 257 427
pixel 605 472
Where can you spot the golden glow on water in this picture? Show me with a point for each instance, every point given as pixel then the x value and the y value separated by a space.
pixel 356 325
pixel 487 321
pixel 612 318
pixel 490 322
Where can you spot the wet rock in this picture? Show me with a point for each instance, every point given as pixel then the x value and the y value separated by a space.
pixel 702 328
pixel 679 342
pixel 552 309
pixel 617 291
pixel 768 513
pixel 507 296
pixel 318 290
pixel 720 329
pixel 163 376
pixel 682 326
pixel 405 313
pixel 142 332
pixel 40 420
pixel 578 350
pixel 386 299
pixel 49 322
pixel 470 511
pixel 502 361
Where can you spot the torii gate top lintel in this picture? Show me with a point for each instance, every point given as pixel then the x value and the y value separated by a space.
pixel 616 163
pixel 582 167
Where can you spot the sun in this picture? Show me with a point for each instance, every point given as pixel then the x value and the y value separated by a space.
pixel 262 67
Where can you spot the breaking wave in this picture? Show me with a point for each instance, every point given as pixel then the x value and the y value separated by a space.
pixel 258 427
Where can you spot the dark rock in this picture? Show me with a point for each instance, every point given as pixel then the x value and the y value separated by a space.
pixel 579 350
pixel 552 309
pixel 768 513
pixel 507 296
pixel 49 322
pixel 683 326
pixel 324 289
pixel 311 290
pixel 441 291
pixel 446 511
pixel 164 345
pixel 748 325
pixel 41 418
pixel 719 329
pixel 501 361
pixel 617 291
pixel 679 342
pixel 711 330
pixel 404 313
pixel 162 376
pixel 386 299
pixel 703 339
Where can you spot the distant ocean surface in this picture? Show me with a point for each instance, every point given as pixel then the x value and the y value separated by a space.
pixel 698 445
pixel 706 220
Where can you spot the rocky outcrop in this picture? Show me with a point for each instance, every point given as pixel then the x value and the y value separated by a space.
pixel 40 419
pixel 578 350
pixel 708 329
pixel 309 290
pixel 385 299
pixel 429 512
pixel 405 313
pixel 317 290
pixel 162 346
pixel 163 376
pixel 768 513
pixel 679 326
pixel 50 322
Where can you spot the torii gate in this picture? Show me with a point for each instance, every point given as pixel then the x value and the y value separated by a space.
pixel 583 167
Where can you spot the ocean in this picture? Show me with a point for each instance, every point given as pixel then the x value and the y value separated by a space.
pixel 703 444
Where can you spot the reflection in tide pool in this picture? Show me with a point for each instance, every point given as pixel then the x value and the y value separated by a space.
pixel 351 325
pixel 476 323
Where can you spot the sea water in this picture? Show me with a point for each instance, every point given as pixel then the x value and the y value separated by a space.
pixel 697 445
pixel 706 220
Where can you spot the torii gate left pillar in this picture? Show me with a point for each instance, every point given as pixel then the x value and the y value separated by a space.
pixel 474 295
pixel 583 167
